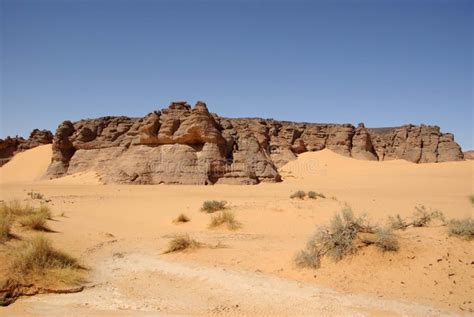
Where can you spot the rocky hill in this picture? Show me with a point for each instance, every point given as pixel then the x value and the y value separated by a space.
pixel 184 145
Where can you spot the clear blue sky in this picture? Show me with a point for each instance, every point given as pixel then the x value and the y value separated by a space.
pixel 385 63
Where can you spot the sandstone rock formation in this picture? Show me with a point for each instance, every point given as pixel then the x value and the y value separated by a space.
pixel 11 146
pixel 184 145
pixel 469 155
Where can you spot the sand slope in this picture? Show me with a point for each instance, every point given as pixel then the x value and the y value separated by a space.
pixel 28 166
pixel 120 231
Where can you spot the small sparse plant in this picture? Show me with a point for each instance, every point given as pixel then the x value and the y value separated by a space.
pixel 423 217
pixel 471 198
pixel 35 195
pixel 181 219
pixel 211 206
pixel 5 225
pixel 298 194
pixel 181 243
pixel 397 222
pixel 225 217
pixel 463 228
pixel 38 257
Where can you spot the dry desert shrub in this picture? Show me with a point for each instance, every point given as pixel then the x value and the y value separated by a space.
pixel 339 239
pixel 298 194
pixel 181 219
pixel 225 217
pixel 397 222
pixel 181 243
pixel 211 206
pixel 422 217
pixel 38 258
pixel 386 240
pixel 471 198
pixel 315 195
pixel 463 228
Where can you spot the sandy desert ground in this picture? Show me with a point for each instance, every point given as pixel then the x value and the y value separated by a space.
pixel 120 232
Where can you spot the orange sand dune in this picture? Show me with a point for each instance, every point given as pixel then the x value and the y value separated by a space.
pixel 28 166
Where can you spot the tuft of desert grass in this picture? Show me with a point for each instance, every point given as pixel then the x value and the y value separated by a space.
pixel 181 219
pixel 35 221
pixel 6 222
pixel 471 198
pixel 37 258
pixel 181 243
pixel 211 206
pixel 463 228
pixel 298 194
pixel 16 208
pixel 225 217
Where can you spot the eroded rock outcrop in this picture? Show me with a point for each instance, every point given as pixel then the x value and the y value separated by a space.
pixel 185 145
pixel 11 146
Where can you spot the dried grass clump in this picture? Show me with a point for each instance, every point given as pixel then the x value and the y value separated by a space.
pixel 341 238
pixel 298 194
pixel 182 218
pixel 315 195
pixel 471 198
pixel 6 222
pixel 37 258
pixel 181 243
pixel 463 228
pixel 211 206
pixel 35 221
pixel 227 218
pixel 16 209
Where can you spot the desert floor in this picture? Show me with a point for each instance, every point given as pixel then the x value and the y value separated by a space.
pixel 120 232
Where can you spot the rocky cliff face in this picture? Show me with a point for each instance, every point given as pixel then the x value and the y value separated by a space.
pixel 184 145
pixel 11 146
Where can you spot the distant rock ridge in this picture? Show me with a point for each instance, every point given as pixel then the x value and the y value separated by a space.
pixel 185 145
pixel 11 146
